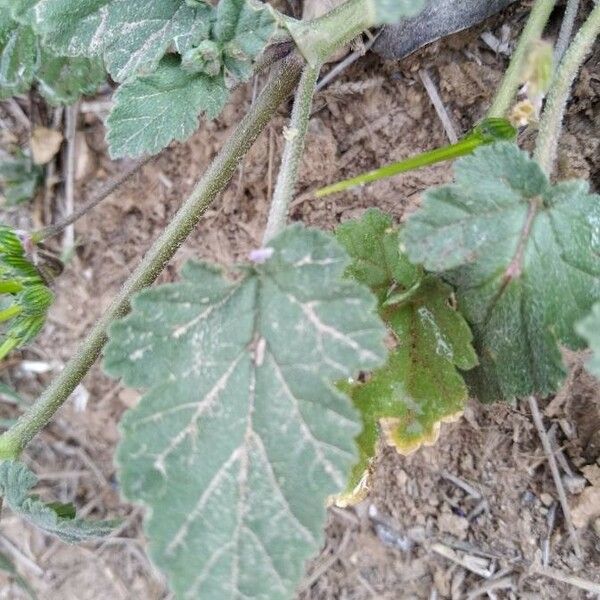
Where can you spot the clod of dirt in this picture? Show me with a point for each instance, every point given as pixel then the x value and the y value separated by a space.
pixel 438 19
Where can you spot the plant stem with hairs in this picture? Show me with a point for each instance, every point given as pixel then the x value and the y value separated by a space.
pixel 556 103
pixel 292 153
pixel 540 13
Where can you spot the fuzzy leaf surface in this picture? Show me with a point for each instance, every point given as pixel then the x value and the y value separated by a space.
pixel 16 480
pixel 131 35
pixel 420 386
pixel 241 435
pixel 589 329
pixel 18 51
pixel 524 257
pixel 244 29
pixel 151 111
pixel 63 80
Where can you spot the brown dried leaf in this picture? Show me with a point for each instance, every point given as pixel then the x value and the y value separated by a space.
pixel 45 144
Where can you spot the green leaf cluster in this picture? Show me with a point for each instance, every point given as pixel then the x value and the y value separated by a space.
pixel 26 61
pixel 240 393
pixel 56 519
pixel 522 254
pixel 25 294
pixel 420 386
pixel 173 58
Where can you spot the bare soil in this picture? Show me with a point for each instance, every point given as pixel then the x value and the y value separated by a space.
pixel 477 514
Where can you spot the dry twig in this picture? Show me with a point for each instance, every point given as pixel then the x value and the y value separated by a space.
pixel 440 109
pixel 539 425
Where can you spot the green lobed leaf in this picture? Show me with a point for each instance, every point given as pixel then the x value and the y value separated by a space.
pixel 151 111
pixel 63 80
pixel 420 385
pixel 589 329
pixel 523 255
pixel 131 35
pixel 24 61
pixel 241 435
pixel 16 480
pixel 18 51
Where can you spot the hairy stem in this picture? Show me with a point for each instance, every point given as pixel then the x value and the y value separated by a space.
pixel 217 176
pixel 540 13
pixel 556 103
pixel 566 29
pixel 292 153
pixel 104 192
pixel 319 38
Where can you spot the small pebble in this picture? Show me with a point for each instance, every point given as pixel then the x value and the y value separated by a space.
pixel 546 499
pixel 574 484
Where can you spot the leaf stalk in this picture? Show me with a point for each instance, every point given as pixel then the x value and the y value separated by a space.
pixel 292 153
pixel 552 118
pixel 540 13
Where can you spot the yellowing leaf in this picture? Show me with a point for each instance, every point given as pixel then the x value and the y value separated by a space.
pixel 420 386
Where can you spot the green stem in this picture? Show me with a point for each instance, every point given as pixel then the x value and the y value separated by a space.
pixel 556 103
pixel 318 39
pixel 431 157
pixel 540 13
pixel 486 132
pixel 292 153
pixel 8 346
pixel 280 85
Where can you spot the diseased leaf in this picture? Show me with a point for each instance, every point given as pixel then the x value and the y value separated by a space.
pixel 16 480
pixel 242 434
pixel 420 386
pixel 589 329
pixel 151 111
pixel 63 80
pixel 523 255
pixel 372 243
pixel 131 35
pixel 18 51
